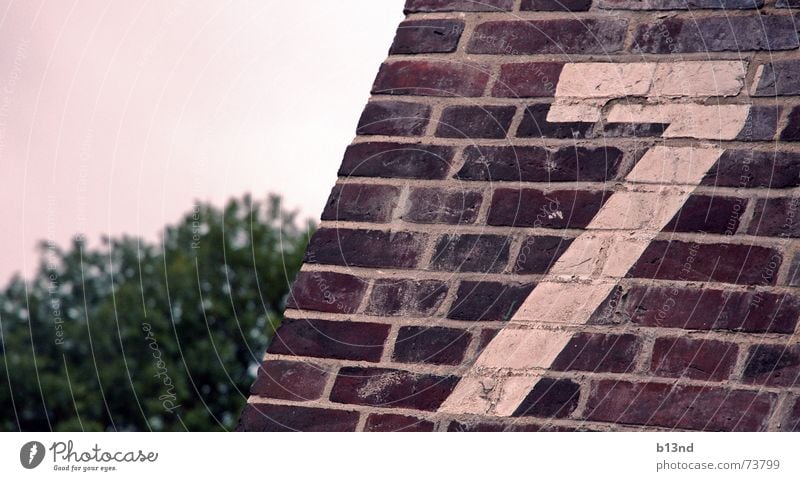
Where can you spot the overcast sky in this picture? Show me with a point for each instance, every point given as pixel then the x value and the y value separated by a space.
pixel 115 115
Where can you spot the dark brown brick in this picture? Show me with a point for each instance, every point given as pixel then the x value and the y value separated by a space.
pixel 703 359
pixel 534 124
pixel 326 292
pixel 730 263
pixel 787 3
pixel 365 248
pixel 792 421
pixel 471 253
pixel 384 159
pixel 354 341
pixel 440 206
pixel 755 168
pixel 361 203
pixel 791 132
pixel 598 353
pixel 391 388
pixel 458 5
pixel 290 380
pixel 708 213
pixel 395 423
pixel 550 398
pixel 761 123
pixel 794 272
pixel 621 129
pixel 560 209
pixel 486 337
pixel 776 217
pixel 275 418
pixel 515 425
pixel 538 253
pixel 716 34
pixel 406 297
pixel 773 365
pixel 557 36
pixel 427 36
pixel 488 301
pixel 531 79
pixel 432 345
pixel 781 77
pixel 536 164
pixel 684 407
pixel 423 77
pixel 679 4
pixel 404 119
pixel 473 121
pixel 556 5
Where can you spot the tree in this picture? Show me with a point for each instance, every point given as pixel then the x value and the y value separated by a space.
pixel 133 335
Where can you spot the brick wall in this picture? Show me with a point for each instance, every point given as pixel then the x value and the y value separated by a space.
pixel 574 215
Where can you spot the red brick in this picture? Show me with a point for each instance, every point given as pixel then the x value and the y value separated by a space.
pixel 538 253
pixel 558 36
pixel 326 292
pixel 404 119
pixel 384 159
pixel 471 253
pixel 703 359
pixel 391 388
pixel 550 398
pixel 776 217
pixel 708 213
pixel 395 423
pixel 680 4
pixel 781 77
pixel 535 124
pixel 361 203
pixel 755 168
pixel 289 380
pixel 427 36
pixel 536 164
pixel 488 301
pixel 458 5
pixel 423 77
pixel 532 79
pixel 556 5
pixel 365 248
pixel 440 206
pixel 684 407
pixel 473 121
pixel 559 209
pixel 406 297
pixel 354 341
pixel 598 353
pixel 730 263
pixel 791 132
pixel 275 418
pixel 773 365
pixel 432 345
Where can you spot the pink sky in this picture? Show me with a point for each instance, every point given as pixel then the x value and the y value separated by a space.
pixel 116 115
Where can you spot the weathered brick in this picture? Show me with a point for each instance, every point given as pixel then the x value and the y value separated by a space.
pixel 703 309
pixel 556 5
pixel 514 426
pixel 365 248
pixel 776 217
pixel 538 253
pixel 488 301
pixel 781 77
pixel 534 124
pixel 391 388
pixel 703 359
pixel 622 129
pixel 673 406
pixel 531 79
pixel 773 365
pixel 791 132
pixel 396 422
pixel 384 159
pixel 550 398
pixel 406 119
pixel 407 297
pixel 458 5
pixel 326 292
pixel 427 36
pixel 560 209
pixel 792 421
pixel 679 4
pixel 794 272
pixel 558 36
pixel 731 263
pixel 424 77
pixel 755 168
pixel 432 345
pixel 598 353
pixel 440 206
pixel 708 213
pixel 761 123
pixel 473 121
pixel 290 380
pixel 787 3
pixel 361 203
pixel 471 253
pixel 275 418
pixel 716 34
pixel 536 164
pixel 354 341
